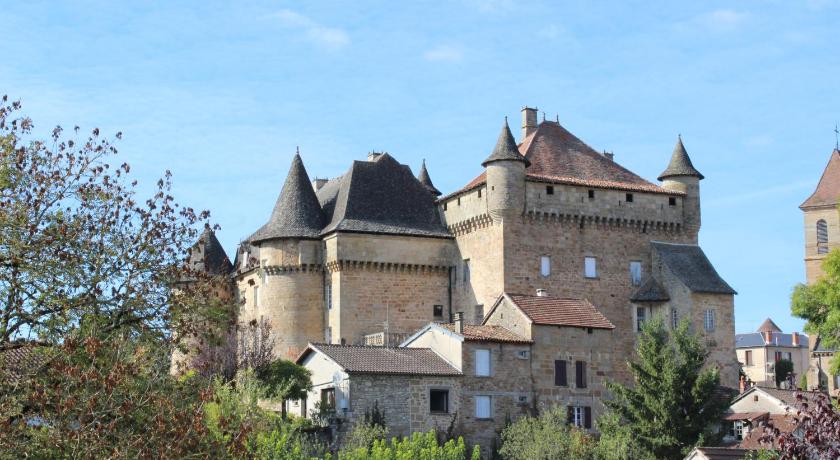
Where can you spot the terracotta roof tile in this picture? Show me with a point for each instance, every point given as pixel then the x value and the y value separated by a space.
pixel 768 326
pixel 488 333
pixel 561 312
pixel 785 423
pixel 18 362
pixel 828 189
pixel 382 360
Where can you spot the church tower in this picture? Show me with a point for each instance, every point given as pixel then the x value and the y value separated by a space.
pixel 822 221
pixel 681 176
pixel 505 169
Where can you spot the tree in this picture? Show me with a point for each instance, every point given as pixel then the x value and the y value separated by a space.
pixel 819 305
pixel 674 403
pixel 284 380
pixel 803 382
pixel 547 437
pixel 818 435
pixel 784 371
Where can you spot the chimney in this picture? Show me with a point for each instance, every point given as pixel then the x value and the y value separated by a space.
pixel 373 156
pixel 610 155
pixel 459 322
pixel 529 121
pixel 768 337
pixel 742 384
pixel 542 293
pixel 318 183
pixel 794 337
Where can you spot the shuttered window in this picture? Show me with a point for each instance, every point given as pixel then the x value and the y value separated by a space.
pixel 482 407
pixel 482 363
pixel 580 416
pixel 580 374
pixel 560 373
pixel 822 237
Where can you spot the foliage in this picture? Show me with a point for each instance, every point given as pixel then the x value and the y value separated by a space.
pixel 803 382
pixel 364 435
pixel 374 416
pixel 419 445
pixel 784 370
pixel 673 405
pixel 283 379
pixel 618 443
pixel 819 304
pixel 548 436
pixel 818 435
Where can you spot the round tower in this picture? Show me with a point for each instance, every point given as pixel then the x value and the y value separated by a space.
pixel 681 176
pixel 285 286
pixel 505 169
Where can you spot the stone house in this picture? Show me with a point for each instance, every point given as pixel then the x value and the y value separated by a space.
pixel 759 351
pixel 749 412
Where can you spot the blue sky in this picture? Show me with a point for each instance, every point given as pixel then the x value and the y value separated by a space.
pixel 222 93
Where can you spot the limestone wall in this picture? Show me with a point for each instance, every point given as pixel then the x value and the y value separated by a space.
pixel 759 372
pixel 813 260
pixel 483 247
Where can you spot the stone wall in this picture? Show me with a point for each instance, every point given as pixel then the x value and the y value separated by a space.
pixel 758 371
pixel 813 260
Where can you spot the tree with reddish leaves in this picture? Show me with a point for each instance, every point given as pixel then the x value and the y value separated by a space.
pixel 818 433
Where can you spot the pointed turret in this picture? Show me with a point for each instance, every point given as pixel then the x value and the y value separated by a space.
pixel 424 179
pixel 505 149
pixel 680 164
pixel 208 255
pixel 297 213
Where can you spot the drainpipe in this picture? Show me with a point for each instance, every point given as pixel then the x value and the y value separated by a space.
pixel 449 292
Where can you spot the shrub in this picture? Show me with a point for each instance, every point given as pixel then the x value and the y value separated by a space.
pixel 548 436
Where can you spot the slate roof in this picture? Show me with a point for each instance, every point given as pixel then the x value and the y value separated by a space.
pixel 768 326
pixel 383 360
pixel 778 339
pixel 650 291
pixel 827 192
pixel 380 196
pixel 560 312
pixel 488 333
pixel 820 348
pixel 691 266
pixel 505 149
pixel 680 164
pixel 208 255
pixel 424 179
pixel 297 213
pixel 721 453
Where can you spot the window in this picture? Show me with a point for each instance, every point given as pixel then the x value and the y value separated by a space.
pixel 709 320
pixel 580 374
pixel 459 201
pixel 523 354
pixel 580 416
pixel 628 197
pixel 444 206
pixel 482 407
pixel 640 318
pixel 328 399
pixel 437 311
pixel 822 237
pixel 466 271
pixel 328 292
pixel 737 430
pixel 545 265
pixel 482 363
pixel 549 190
pixel 479 314
pixel 787 355
pixel 439 401
pixel 479 193
pixel 778 356
pixel 675 319
pixel 256 296
pixel 591 194
pixel 635 273
pixel 589 268
pixel 560 373
pixel 328 335
pixel 748 358
pixel 672 201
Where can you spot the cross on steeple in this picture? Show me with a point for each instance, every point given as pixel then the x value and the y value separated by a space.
pixel 836 137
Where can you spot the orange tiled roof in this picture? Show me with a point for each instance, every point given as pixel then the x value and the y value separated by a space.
pixel 561 312
pixel 828 189
pixel 488 333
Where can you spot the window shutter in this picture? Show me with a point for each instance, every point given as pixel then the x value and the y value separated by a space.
pixel 482 363
pixel 587 417
pixel 560 373
pixel 570 415
pixel 580 371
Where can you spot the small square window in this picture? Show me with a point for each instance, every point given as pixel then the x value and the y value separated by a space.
pixel 459 201
pixel 438 311
pixel 482 407
pixel 549 190
pixel 591 194
pixel 672 201
pixel 628 197
pixel 479 193
pixel 439 401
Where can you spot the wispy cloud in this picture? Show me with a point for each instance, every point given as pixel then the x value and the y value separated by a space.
pixel 722 20
pixel 445 53
pixel 326 37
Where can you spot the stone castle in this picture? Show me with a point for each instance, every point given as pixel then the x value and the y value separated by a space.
pixel 372 256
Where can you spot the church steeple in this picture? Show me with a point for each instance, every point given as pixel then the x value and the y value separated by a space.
pixel 680 164
pixel 424 179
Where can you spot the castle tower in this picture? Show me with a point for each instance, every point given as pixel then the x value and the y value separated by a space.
pixel 822 221
pixel 505 169
pixel 424 179
pixel 681 176
pixel 286 288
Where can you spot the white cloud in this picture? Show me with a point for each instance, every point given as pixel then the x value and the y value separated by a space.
pixel 722 20
pixel 327 37
pixel 446 53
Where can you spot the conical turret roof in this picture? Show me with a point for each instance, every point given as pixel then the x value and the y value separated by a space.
pixel 768 326
pixel 297 213
pixel 680 164
pixel 505 149
pixel 207 255
pixel 424 179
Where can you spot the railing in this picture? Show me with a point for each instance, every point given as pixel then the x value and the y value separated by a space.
pixel 394 339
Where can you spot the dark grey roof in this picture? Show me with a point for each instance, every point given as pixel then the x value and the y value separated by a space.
pixel 680 164
pixel 768 326
pixel 650 291
pixel 208 255
pixel 505 149
pixel 778 339
pixel 383 360
pixel 380 196
pixel 691 266
pixel 819 346
pixel 297 213
pixel 424 179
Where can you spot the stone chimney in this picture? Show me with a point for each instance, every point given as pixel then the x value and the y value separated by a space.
pixel 610 155
pixel 459 322
pixel 768 337
pixel 373 156
pixel 795 338
pixel 542 293
pixel 318 183
pixel 529 121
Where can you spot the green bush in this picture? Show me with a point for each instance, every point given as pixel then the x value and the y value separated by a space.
pixel 548 436
pixel 419 446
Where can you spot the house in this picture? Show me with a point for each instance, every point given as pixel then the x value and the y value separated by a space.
pixel 759 351
pixel 717 453
pixel 753 409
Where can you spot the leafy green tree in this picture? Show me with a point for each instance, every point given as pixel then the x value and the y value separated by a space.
pixel 803 382
pixel 419 445
pixel 284 380
pixel 783 369
pixel 819 305
pixel 547 437
pixel 673 404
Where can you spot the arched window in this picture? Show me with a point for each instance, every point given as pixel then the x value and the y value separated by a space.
pixel 822 237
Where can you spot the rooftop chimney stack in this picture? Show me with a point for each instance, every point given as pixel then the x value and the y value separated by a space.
pixel 794 337
pixel 459 322
pixel 529 121
pixel 373 156
pixel 542 293
pixel 768 336
pixel 318 183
